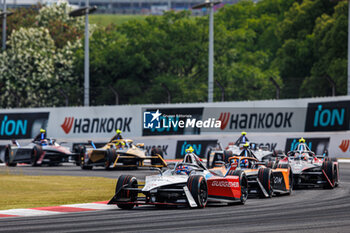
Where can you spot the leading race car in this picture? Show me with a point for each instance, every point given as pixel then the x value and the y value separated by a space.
pixel 188 183
pixel 310 170
pixel 45 151
pixel 264 178
pixel 119 152
pixel 239 148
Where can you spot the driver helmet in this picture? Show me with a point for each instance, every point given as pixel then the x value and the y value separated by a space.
pixel 189 150
pixel 246 145
pixel 120 145
pixel 118 132
pixel 305 156
pixel 183 170
pixel 244 163
pixel 245 148
pixel 43 142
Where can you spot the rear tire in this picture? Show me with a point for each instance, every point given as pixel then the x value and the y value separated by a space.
pixel 7 157
pixel 132 195
pixel 328 168
pixel 266 179
pixel 198 187
pixel 109 159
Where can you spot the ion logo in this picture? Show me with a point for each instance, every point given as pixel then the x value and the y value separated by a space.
pixel 344 146
pixel 67 124
pixel 201 147
pixel 22 125
pixel 327 116
pixel 13 127
pixel 151 120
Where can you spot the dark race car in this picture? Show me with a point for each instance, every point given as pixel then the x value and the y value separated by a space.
pixel 239 148
pixel 45 151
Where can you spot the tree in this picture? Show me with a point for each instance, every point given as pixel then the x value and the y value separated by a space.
pixel 295 57
pixel 21 17
pixel 36 70
pixel 330 50
pixel 61 26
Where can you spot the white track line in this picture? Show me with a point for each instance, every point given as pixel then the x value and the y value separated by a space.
pixel 94 206
pixel 28 212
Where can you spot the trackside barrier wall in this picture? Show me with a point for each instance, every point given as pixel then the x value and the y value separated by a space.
pixel 325 122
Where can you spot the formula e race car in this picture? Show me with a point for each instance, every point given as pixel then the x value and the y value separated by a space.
pixel 264 178
pixel 188 183
pixel 236 149
pixel 310 170
pixel 45 151
pixel 119 153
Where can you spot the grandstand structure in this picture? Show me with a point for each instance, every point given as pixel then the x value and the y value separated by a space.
pixel 126 6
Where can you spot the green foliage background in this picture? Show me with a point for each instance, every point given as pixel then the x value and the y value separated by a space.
pixel 300 45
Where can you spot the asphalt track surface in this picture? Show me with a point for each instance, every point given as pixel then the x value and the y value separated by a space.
pixel 69 169
pixel 312 210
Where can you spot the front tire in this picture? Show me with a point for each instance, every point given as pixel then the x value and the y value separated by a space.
pixel 36 153
pixel 7 157
pixel 198 187
pixel 328 168
pixel 120 193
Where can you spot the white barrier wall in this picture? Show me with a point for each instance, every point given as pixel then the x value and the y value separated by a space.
pixel 325 122
pixel 337 144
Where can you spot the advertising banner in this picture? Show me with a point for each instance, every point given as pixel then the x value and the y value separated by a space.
pixel 256 119
pixel 167 121
pixel 328 116
pixel 94 122
pixel 167 144
pixel 22 125
pixel 200 147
